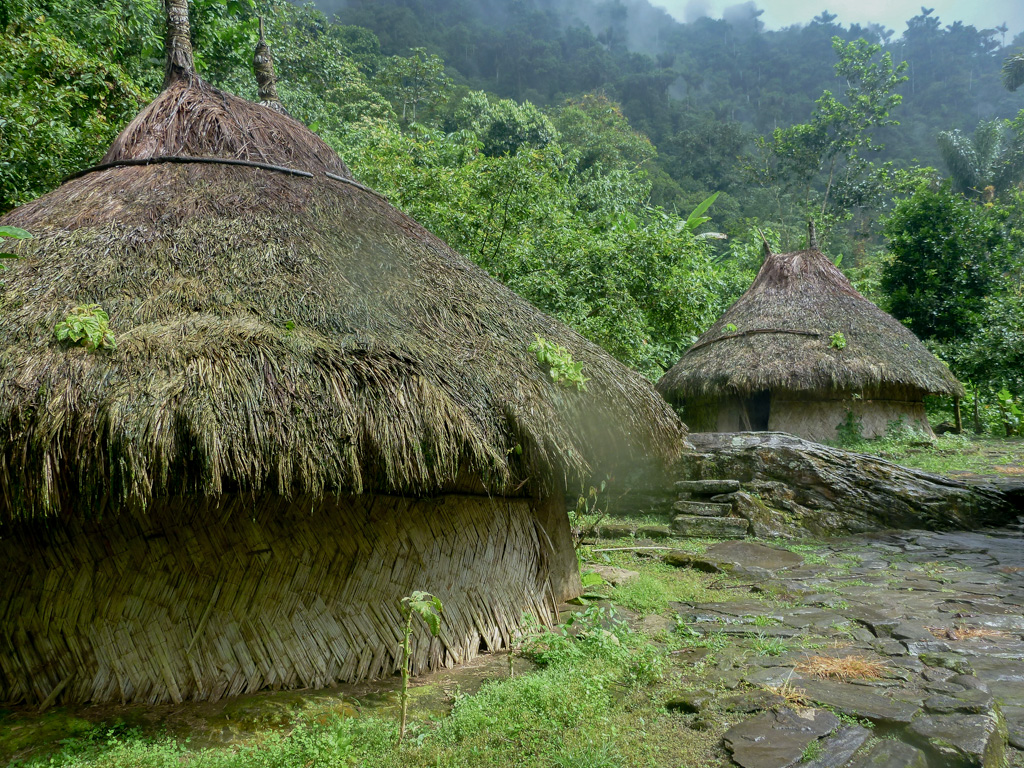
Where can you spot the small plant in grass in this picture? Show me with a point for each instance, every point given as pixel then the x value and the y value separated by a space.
pixel 87 325
pixel 561 367
pixel 850 431
pixel 428 608
pixel 764 620
pixel 794 696
pixel 530 628
pixel 769 646
pixel 812 751
pixel 587 515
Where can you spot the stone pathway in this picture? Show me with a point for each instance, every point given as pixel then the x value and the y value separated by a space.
pixel 897 649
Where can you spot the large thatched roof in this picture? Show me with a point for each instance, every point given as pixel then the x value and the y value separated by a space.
pixel 778 335
pixel 282 330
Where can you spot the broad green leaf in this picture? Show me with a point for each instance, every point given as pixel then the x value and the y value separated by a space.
pixel 697 218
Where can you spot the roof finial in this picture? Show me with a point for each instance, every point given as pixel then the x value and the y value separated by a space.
pixel 179 64
pixel 266 80
pixel 812 237
pixel 766 248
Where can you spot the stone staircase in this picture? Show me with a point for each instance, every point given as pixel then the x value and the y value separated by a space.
pixel 707 508
pixel 701 509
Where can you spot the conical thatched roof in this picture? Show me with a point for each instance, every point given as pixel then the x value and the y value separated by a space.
pixel 278 330
pixel 778 335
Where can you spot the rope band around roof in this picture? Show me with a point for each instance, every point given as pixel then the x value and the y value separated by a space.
pixel 217 161
pixel 752 332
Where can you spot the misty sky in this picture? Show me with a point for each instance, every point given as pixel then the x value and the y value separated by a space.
pixel 983 14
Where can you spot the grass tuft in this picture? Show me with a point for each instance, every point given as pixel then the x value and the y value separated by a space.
pixel 853 667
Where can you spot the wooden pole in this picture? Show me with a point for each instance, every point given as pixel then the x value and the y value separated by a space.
pixel 179 64
pixel 959 417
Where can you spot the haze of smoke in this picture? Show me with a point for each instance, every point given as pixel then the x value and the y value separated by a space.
pixel 744 17
pixel 696 9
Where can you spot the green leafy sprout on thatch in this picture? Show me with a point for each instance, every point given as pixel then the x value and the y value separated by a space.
pixel 562 368
pixel 87 325
pixel 17 234
pixel 837 340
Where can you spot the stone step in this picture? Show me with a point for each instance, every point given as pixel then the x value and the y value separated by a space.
pixel 712 527
pixel 707 487
pixel 625 530
pixel 702 508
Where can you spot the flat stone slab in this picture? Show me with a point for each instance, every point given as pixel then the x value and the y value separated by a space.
pixel 611 574
pixel 858 701
pixel 615 531
pixel 681 559
pixel 777 739
pixel 838 748
pixel 711 527
pixel 970 702
pixel 702 508
pixel 976 740
pixel 707 487
pixel 753 554
pixel 1015 725
pixel 891 754
pixel 653 532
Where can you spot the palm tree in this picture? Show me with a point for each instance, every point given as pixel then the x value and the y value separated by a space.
pixel 985 164
pixel 1013 71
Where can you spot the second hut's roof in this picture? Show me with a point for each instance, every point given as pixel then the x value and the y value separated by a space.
pixel 779 335
pixel 283 331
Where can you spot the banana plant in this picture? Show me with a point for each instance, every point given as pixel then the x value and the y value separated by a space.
pixel 428 608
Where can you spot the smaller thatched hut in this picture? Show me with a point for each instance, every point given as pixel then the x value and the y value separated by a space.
pixel 802 352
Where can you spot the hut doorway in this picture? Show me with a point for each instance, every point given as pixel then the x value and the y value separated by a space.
pixel 756 410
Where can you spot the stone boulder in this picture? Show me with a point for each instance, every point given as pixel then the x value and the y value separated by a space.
pixel 795 486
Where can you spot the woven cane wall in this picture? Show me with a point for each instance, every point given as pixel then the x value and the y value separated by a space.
pixel 196 600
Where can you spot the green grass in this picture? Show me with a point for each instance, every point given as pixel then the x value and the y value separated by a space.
pixel 769 646
pixel 595 700
pixel 948 453
pixel 658 585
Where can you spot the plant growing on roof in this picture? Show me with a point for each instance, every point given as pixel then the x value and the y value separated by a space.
pixel 562 368
pixel 837 340
pixel 428 608
pixel 87 325
pixel 15 233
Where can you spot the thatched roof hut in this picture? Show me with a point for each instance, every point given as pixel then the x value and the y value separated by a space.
pixel 314 407
pixel 798 352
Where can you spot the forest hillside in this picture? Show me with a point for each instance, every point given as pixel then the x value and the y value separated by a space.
pixel 616 167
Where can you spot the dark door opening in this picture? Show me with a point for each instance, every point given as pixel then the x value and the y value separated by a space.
pixel 757 409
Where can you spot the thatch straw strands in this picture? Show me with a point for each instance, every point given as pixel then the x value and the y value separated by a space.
pixel 278 333
pixel 204 600
pixel 235 496
pixel 778 336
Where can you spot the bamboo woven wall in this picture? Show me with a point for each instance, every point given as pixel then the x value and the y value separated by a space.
pixel 195 600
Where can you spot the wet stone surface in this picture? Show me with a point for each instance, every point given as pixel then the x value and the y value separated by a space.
pixel 913 640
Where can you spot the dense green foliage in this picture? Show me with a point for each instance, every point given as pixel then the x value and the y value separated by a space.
pixel 562 145
pixel 946 256
pixel 701 91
